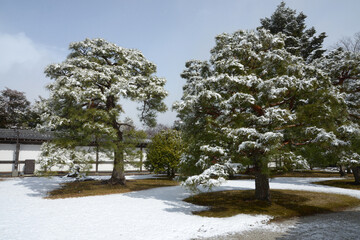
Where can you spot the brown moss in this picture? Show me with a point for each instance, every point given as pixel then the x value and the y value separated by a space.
pixel 92 188
pixel 284 203
pixel 340 183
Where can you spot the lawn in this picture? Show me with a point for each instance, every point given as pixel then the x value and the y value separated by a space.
pixel 98 187
pixel 348 183
pixel 305 173
pixel 302 174
pixel 285 203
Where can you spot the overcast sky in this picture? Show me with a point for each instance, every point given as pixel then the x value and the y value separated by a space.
pixel 36 33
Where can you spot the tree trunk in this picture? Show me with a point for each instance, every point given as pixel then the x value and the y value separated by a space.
pixel 342 172
pixel 168 174
pixel 172 173
pixel 118 173
pixel 356 172
pixel 262 188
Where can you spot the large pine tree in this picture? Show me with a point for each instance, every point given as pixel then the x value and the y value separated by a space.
pixel 299 40
pixel 85 103
pixel 254 102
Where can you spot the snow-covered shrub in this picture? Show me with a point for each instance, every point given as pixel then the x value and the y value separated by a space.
pixel 55 158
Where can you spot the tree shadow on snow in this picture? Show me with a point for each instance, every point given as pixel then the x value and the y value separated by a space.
pixel 173 197
pixel 298 181
pixel 39 186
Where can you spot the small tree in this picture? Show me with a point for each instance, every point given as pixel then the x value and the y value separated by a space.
pixel 164 152
pixel 85 98
pixel 298 40
pixel 151 132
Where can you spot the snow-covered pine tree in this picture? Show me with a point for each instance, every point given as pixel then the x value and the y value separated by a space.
pixel 299 40
pixel 343 68
pixel 85 97
pixel 251 103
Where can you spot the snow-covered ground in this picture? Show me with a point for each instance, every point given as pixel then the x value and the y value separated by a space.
pixel 151 214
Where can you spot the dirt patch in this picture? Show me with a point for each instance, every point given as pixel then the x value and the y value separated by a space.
pixel 97 187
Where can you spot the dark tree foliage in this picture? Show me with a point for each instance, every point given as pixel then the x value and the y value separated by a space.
pixel 15 110
pixel 299 40
pixel 164 152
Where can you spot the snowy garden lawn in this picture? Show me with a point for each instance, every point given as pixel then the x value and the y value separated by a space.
pixel 285 203
pixel 305 173
pixel 348 183
pixel 157 213
pixel 98 187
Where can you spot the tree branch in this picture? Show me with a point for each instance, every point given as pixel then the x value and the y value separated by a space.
pixel 258 109
pixel 288 126
pixel 355 116
pixel 108 61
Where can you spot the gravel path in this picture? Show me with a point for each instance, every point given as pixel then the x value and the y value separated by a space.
pixel 340 225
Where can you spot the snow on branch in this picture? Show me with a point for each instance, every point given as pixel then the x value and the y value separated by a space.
pixel 321 135
pixel 211 177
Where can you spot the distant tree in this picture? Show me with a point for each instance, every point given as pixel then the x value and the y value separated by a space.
pixel 164 152
pixel 15 110
pixel 254 102
pixel 299 40
pixel 152 131
pixel 350 44
pixel 85 98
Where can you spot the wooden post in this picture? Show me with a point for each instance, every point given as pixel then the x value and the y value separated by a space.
pixel 15 171
pixel 97 158
pixel 141 157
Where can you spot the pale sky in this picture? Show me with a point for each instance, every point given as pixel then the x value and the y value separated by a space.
pixel 36 33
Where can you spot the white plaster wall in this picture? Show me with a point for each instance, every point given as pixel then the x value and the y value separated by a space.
pixel 7 152
pixel 30 151
pixel 104 167
pixel 6 167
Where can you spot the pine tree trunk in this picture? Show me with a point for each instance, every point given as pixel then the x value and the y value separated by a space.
pixel 356 172
pixel 118 173
pixel 262 188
